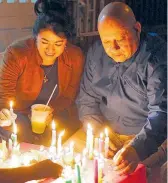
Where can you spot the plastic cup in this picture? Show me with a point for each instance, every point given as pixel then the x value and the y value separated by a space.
pixel 39 114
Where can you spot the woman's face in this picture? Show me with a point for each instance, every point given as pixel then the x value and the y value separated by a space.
pixel 50 45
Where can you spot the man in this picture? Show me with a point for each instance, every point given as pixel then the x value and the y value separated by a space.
pixel 124 86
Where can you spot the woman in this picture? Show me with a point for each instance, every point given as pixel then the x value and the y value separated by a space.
pixel 30 69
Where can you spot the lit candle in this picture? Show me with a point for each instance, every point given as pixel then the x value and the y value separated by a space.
pixel 84 158
pixel 106 150
pixel 91 146
pixel 78 174
pixel 11 107
pixel 88 134
pixel 53 141
pixel 101 143
pixel 95 170
pixel 59 143
pixel 96 144
pixel 14 135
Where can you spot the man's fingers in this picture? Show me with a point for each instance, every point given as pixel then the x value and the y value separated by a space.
pixel 111 154
pixel 112 146
pixel 119 157
pixel 128 169
pixel 121 166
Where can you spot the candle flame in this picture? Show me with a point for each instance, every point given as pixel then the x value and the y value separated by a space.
pixel 62 133
pixel 53 125
pixel 11 104
pixel 106 132
pixel 89 126
pixel 101 135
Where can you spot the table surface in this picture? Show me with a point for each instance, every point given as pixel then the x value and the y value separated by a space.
pixel 138 176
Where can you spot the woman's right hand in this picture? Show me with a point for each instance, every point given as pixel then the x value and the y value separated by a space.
pixel 5 118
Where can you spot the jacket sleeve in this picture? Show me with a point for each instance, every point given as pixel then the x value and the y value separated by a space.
pixel 88 100
pixel 154 132
pixel 9 73
pixel 67 99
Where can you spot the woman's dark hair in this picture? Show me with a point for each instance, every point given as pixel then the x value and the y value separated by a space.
pixel 52 14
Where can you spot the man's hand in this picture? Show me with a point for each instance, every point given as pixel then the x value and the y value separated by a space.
pixel 126 160
pixel 5 118
pixel 117 142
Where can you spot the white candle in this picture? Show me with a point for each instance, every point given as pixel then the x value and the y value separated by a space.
pixel 106 150
pixel 88 134
pixel 14 135
pixel 84 158
pixel 11 107
pixel 91 139
pixel 59 143
pixel 96 144
pixel 53 141
pixel 101 143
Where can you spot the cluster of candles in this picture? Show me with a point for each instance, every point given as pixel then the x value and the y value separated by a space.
pixel 97 145
pixel 56 143
pixel 96 150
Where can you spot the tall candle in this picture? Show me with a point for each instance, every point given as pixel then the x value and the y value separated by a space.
pixel 96 144
pixel 95 170
pixel 101 143
pixel 84 158
pixel 59 143
pixel 53 141
pixel 91 146
pixel 14 135
pixel 88 134
pixel 11 107
pixel 106 148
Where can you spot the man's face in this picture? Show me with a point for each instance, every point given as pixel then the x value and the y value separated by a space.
pixel 50 45
pixel 120 42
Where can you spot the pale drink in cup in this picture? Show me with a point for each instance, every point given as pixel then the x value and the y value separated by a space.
pixel 39 114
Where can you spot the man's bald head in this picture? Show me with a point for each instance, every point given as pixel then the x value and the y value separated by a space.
pixel 118 11
pixel 119 31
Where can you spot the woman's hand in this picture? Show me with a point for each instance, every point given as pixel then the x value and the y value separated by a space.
pixel 5 118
